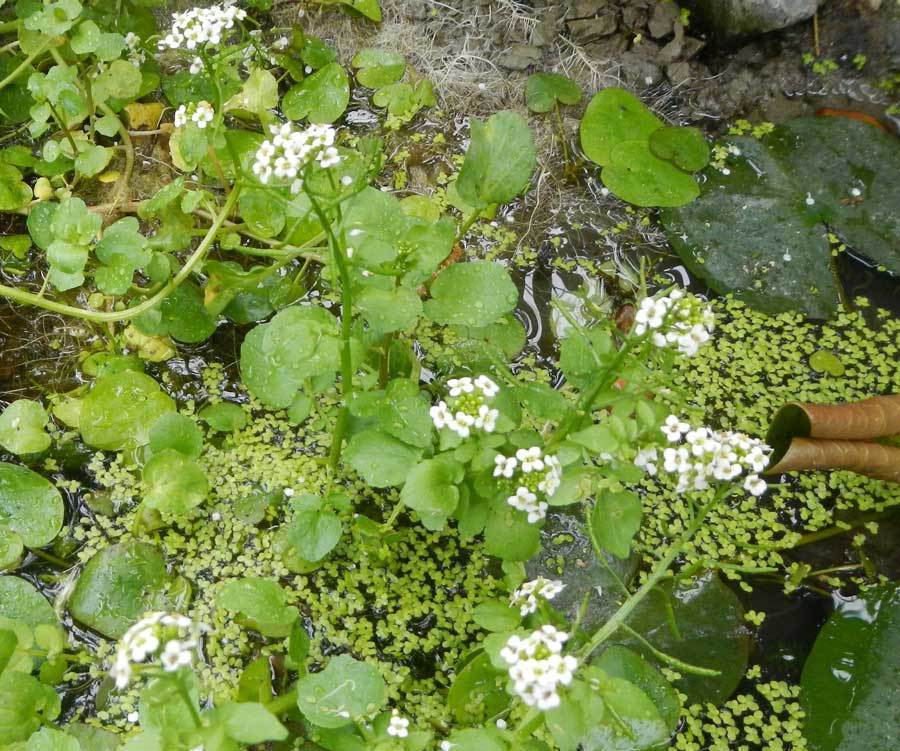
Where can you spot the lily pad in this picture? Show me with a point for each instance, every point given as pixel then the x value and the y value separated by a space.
pixel 760 227
pixel 613 116
pixel 850 688
pixel 118 585
pixel 22 428
pixel 29 505
pixel 635 174
pixel 702 623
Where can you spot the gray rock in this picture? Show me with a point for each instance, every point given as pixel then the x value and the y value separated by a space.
pixel 520 57
pixel 662 22
pixel 728 19
pixel 588 29
pixel 634 17
pixel 609 48
pixel 638 71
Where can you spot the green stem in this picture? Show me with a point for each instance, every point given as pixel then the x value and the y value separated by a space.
pixel 588 398
pixel 189 701
pixel 26 63
pixel 283 703
pixel 124 180
pixel 661 568
pixel 684 667
pixel 8 26
pixel 467 224
pixel 824 534
pixel 50 558
pixel 29 298
pixel 340 262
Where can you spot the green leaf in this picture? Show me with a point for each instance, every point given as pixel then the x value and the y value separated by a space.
pixel 14 192
pixel 631 721
pixel 636 175
pixel 120 409
pixel 580 709
pixel 496 615
pixel 544 90
pixel 320 98
pixel 381 459
pixel 471 294
pixel 277 357
pixel 25 704
pixel 615 521
pixel 176 432
pixel 499 162
pixel 92 159
pixel 477 739
pixel 431 490
pixel 55 18
pixel 11 550
pixel 509 535
pixel 48 739
pixel 258 96
pixel 583 353
pixel 118 586
pixel 20 601
pixel 260 603
pixel 478 691
pixel 175 484
pixel 685 147
pixel 122 250
pixel 224 417
pixel 377 68
pixel 700 622
pixel 248 722
pixel 92 738
pixel 388 310
pixel 314 534
pixel 29 505
pixel 22 428
pixel 264 216
pixel 620 662
pixel 120 80
pixel 851 679
pixel 613 117
pixel 181 315
pixel 346 691
pixel 781 197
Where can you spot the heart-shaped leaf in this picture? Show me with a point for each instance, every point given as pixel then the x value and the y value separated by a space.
pixel 30 505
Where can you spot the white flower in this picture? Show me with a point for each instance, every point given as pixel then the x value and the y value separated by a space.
pixel 468 408
pixel 487 386
pixel 289 152
pixel 175 655
pixel 675 320
pixel 525 500
pixel 459 386
pixel 646 459
pixel 346 180
pixel 504 466
pixel 203 114
pixel 163 638
pixel 142 644
pixel 181 117
pixel 755 485
pixel 526 596
pixel 537 667
pixel 196 66
pixel 531 459
pixel 398 726
pixel 201 27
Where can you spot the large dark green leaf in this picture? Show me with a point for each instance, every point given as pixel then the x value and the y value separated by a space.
pixel 29 505
pixel 850 689
pixel 702 623
pixel 118 585
pixel 760 231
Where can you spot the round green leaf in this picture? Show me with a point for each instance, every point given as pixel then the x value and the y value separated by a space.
pixel 613 117
pixel 22 428
pixel 711 633
pixel 390 310
pixel 118 586
pixel 14 193
pixel 261 604
pixel 499 162
pixel 377 68
pixel 314 534
pixel 29 505
pixel 11 548
pixel 20 601
pixel 477 739
pixel 685 147
pixel 635 175
pixel 320 98
pixel 496 615
pixel 478 678
pixel 175 484
pixel 178 432
pixel 48 739
pixel 346 691
pixel 120 409
pixel 631 721
pixel 615 520
pixel 224 417
pixel 381 459
pixel 544 90
pixel 471 294
pixel 431 490
pixel 509 535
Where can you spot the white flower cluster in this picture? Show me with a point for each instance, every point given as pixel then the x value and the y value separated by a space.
pixel 526 596
pixel 168 638
pixel 530 472
pixel 708 456
pixel 537 667
pixel 201 114
pixel 289 151
pixel 398 726
pixel 136 55
pixel 468 408
pixel 676 320
pixel 199 27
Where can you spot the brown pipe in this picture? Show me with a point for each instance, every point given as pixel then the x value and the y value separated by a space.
pixel 878 417
pixel 870 459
